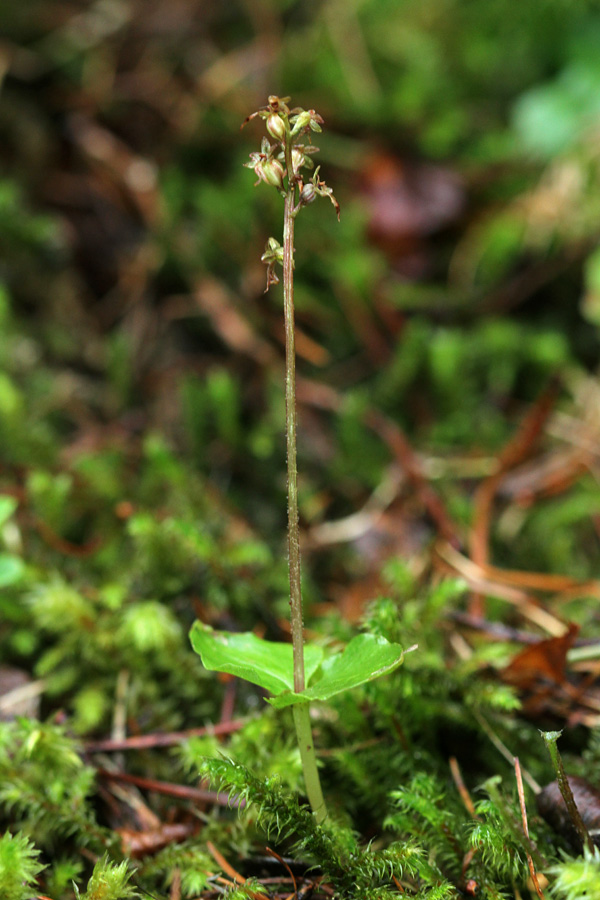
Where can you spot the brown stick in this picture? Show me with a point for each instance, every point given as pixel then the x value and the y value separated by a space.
pixel 172 790
pixel 169 739
pixel 521 793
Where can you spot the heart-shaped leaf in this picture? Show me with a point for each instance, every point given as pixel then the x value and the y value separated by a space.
pixel 365 658
pixel 267 663
pixel 270 664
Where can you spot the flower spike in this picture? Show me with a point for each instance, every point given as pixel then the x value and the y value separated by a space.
pixel 280 164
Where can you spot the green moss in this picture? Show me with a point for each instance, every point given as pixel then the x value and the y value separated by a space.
pixel 19 866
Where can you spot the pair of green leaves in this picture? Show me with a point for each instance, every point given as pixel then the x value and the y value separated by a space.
pixel 270 664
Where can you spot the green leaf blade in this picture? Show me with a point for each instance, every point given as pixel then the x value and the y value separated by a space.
pixel 366 657
pixel 268 664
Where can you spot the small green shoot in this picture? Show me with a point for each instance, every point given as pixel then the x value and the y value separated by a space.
pixel 19 866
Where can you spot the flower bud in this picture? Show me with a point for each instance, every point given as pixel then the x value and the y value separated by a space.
pixel 298 159
pixel 306 119
pixel 276 127
pixel 272 172
pixel 308 194
pixel 273 245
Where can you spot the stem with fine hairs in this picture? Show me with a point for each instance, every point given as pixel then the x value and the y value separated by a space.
pixel 301 710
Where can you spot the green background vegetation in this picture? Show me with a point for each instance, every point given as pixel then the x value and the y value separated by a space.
pixel 142 462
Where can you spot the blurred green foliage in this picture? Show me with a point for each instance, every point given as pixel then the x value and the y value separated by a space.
pixel 142 478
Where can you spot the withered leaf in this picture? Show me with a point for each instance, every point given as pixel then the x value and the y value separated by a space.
pixel 546 660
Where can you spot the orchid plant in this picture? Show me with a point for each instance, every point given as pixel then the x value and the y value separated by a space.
pixel 295 674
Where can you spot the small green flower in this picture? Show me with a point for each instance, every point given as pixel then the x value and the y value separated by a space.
pixel 305 120
pixel 273 254
pixel 276 105
pixel 266 166
pixel 301 157
pixel 315 187
pixel 273 172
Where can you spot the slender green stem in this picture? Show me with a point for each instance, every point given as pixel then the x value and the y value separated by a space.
pixel 550 738
pixel 312 781
pixel 301 712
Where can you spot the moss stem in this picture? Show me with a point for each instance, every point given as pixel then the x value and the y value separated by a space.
pixel 550 739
